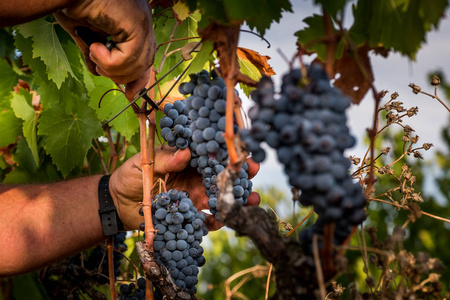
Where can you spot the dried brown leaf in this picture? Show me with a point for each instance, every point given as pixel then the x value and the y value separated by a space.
pixel 258 60
pixel 353 82
pixel 188 49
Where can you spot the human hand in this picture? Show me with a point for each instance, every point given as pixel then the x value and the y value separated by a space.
pixel 126 184
pixel 129 23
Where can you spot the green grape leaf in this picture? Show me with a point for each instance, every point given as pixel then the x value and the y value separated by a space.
pixel 7 44
pixel 163 32
pixel 25 162
pixel 37 67
pixel 400 25
pixel 46 45
pixel 332 6
pixel 9 78
pixel 10 128
pixel 34 288
pixel 258 14
pixel 69 136
pixel 201 58
pixel 68 93
pixel 74 57
pixel 314 31
pixel 21 105
pixel 212 11
pixel 88 77
pixel 113 102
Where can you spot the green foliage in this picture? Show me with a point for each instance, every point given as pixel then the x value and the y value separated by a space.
pixel 226 255
pixel 332 6
pixel 47 46
pixel 23 109
pixel 202 57
pixel 33 290
pixel 112 102
pixel 167 28
pixel 308 36
pixel 11 128
pixel 258 14
pixel 398 25
pixel 61 127
pixel 9 79
pixel 76 130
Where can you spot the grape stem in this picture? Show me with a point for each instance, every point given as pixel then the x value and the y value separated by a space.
pixel 330 44
pixel 407 208
pixel 98 152
pixel 258 269
pixel 435 96
pixel 148 168
pixel 320 278
pixel 112 287
pixel 268 282
pixel 177 40
pixel 301 222
pixel 114 156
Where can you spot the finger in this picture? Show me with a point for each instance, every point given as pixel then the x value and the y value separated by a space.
pixel 253 199
pixel 115 59
pixel 133 88
pixel 121 64
pixel 253 168
pixel 168 161
pixel 121 77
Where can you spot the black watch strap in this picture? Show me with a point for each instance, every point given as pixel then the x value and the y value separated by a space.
pixel 107 210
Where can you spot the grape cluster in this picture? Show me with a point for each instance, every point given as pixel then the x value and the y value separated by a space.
pixel 180 231
pixel 175 125
pixel 207 105
pixel 98 257
pixel 307 127
pixel 132 291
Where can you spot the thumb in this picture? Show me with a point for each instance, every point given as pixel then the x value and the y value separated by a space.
pixel 167 161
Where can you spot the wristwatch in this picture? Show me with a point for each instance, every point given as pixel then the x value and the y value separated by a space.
pixel 109 217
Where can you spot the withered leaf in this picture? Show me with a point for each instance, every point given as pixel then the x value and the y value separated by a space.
pixel 258 60
pixel 352 80
pixel 186 50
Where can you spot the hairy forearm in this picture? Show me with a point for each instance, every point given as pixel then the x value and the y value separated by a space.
pixel 14 12
pixel 40 224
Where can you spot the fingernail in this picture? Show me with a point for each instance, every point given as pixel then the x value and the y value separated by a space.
pixel 176 152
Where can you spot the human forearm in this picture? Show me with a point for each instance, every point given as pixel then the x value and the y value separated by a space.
pixel 44 223
pixel 20 11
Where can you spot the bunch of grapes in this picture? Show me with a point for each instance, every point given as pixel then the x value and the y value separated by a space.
pixel 180 232
pixel 206 105
pixel 307 127
pixel 133 292
pixel 175 125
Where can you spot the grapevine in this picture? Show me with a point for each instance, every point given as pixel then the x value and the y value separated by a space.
pixel 53 128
